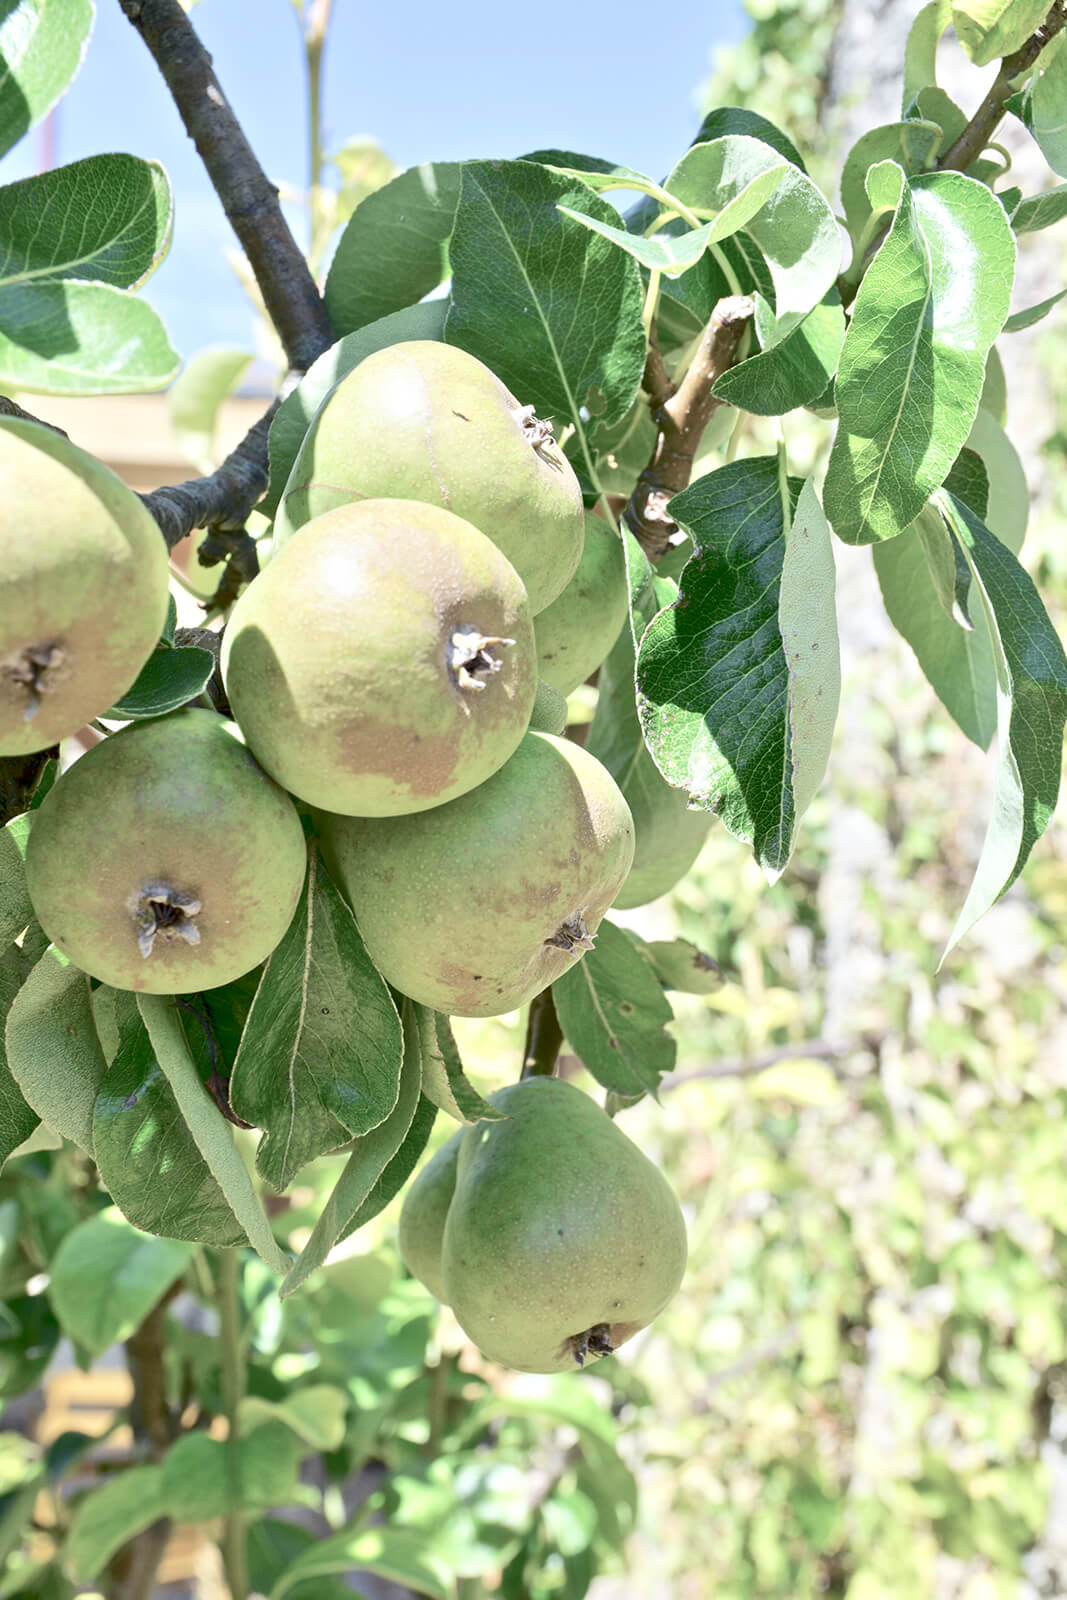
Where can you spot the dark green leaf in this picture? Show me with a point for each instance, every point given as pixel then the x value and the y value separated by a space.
pixel 370 1156
pixel 1026 319
pixel 81 338
pixel 398 1169
pixel 148 1160
pixel 106 219
pixel 107 1275
pixel 911 371
pixel 726 120
pixel 296 412
pixel 29 1334
pixel 553 309
pixel 738 681
pixel 793 373
pixel 52 1047
pixel 272 1546
pixel 443 1078
pixel 1040 210
pixel 321 1051
pixel 913 145
pixel 206 1478
pixel 16 908
pixel 42 43
pixel 17 1119
pixel 394 249
pixel 1032 708
pixel 170 678
pixel 614 1013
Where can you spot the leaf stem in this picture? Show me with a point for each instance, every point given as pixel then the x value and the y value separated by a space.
pixel 234 1547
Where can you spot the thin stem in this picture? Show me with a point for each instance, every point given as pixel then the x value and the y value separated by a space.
pixel 133 1569
pixel 316 29
pixel 234 1551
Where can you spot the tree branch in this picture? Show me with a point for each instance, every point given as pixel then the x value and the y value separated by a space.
pixel 978 132
pixel 544 1037
pixel 133 1569
pixel 249 199
pixel 221 501
pixel 749 1066
pixel 11 408
pixel 681 416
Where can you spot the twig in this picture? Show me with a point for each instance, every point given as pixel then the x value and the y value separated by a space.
pixel 749 1066
pixel 681 418
pixel 11 408
pixel 544 1037
pixel 978 132
pixel 133 1570
pixel 249 199
pixel 222 500
pixel 234 1550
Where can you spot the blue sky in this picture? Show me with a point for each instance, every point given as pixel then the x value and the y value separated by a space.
pixel 428 82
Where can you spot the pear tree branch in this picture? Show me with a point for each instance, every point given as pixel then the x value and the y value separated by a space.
pixel 978 132
pixel 681 414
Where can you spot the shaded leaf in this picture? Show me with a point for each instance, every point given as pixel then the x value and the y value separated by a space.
pixel 443 1078
pixel 211 1132
pixel 1026 319
pixel 109 1517
pixel 106 219
pixel 1008 505
pixel 52 1047
pixel 912 367
pixel 401 1555
pixel 17 1118
pixel 296 412
pixel 613 1011
pixel 1040 210
pixel 171 677
pixel 370 1156
pixel 81 338
pixel 106 1276
pixel 551 308
pixel 913 145
pixel 16 908
pixel 42 43
pixel 793 373
pixel 394 248
pixel 1031 710
pixel 398 1169
pixel 320 1055
pixel 272 1546
pixel 148 1160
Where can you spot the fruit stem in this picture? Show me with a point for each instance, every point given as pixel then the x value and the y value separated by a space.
pixel 234 1551
pixel 544 1037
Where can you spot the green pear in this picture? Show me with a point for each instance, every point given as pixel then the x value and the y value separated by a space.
pixel 423 1214
pixel 577 630
pixel 83 587
pixel 426 421
pixel 165 859
pixel 668 836
pixel 562 1240
pixel 475 906
pixel 384 661
pixel 549 714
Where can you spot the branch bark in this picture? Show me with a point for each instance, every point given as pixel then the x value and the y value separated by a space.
pixel 681 416
pixel 248 197
pixel 978 132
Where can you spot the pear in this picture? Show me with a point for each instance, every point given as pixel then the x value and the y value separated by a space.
pixel 165 859
pixel 423 1214
pixel 475 906
pixel 549 714
pixel 83 587
pixel 562 1240
pixel 577 630
pixel 384 661
pixel 426 421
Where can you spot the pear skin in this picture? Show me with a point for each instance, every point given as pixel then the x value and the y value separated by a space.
pixel 423 1216
pixel 422 420
pixel 475 906
pixel 577 630
pixel 562 1239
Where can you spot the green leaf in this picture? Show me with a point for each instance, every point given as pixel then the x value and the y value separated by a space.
pixel 272 1546
pixel 17 1119
pixel 106 219
pixel 614 1013
pixel 679 964
pixel 552 308
pixel 365 1166
pixel 207 379
pixel 920 52
pixel 673 254
pixel 738 680
pixel 81 338
pixel 726 120
pixel 795 230
pixel 990 28
pixel 210 1130
pixel 16 908
pixel 394 248
pixel 148 1160
pixel 1026 319
pixel 316 1414
pixel 42 43
pixel 1040 210
pixel 913 145
pixel 206 1478
pixel 793 373
pixel 443 1078
pixel 321 1051
pixel 106 1276
pixel 1031 710
pixel 109 1517
pixel 398 1168
pixel 1048 105
pixel 296 413
pixel 52 1047
pixel 1008 505
pixel 911 372
pixel 171 677
pixel 400 1555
